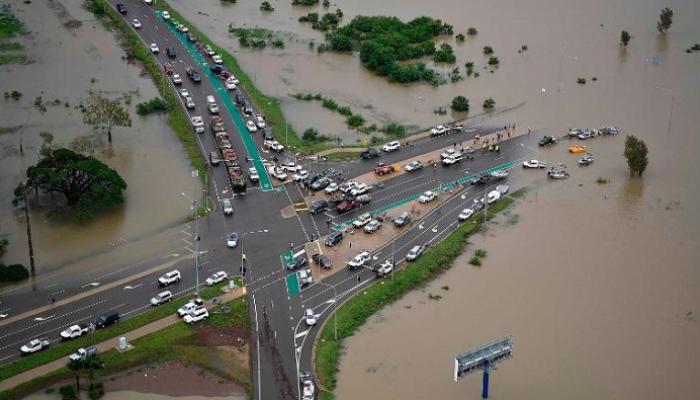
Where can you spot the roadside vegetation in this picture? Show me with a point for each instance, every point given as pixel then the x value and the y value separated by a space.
pixel 323 23
pixel 357 310
pixel 154 105
pixel 10 27
pixel 176 343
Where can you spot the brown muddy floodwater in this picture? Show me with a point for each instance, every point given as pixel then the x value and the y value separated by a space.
pixel 67 64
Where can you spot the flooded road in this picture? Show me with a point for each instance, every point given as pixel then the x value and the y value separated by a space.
pixel 130 395
pixel 68 63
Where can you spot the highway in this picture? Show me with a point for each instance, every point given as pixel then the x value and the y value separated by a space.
pixel 68 299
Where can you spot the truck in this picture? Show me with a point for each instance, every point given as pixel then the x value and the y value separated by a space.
pixel 230 157
pixel 198 124
pixel 83 353
pixel 383 169
pixel 238 182
pixel 217 124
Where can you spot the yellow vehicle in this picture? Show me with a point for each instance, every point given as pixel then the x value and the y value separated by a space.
pixel 575 148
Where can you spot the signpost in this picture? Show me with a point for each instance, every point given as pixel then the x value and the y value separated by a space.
pixel 483 358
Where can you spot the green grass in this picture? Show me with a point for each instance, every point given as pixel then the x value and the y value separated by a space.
pixel 177 342
pixel 64 349
pixel 519 194
pixel 344 155
pixel 10 26
pixel 13 59
pixel 11 46
pixel 355 312
pixel 9 129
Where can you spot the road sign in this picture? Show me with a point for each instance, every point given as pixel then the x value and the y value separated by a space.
pixel 483 358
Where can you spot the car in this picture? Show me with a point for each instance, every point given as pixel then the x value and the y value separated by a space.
pixel 215 68
pixel 154 48
pixel 318 206
pixel 391 146
pixel 209 51
pixel 184 92
pixel 451 160
pixel 347 186
pixel 170 52
pixel 193 74
pixel 176 79
pixel 253 175
pixel 278 173
pixel 493 196
pixel 309 317
pixel 373 226
pixel 266 134
pixel 189 306
pixel 534 164
pixel 166 15
pixel 291 167
pixel 169 278
pixel 322 261
pixel 361 221
pixel 427 197
pixel 609 130
pixel 161 298
pixel 231 77
pixel 198 123
pixel 189 103
pixel 345 206
pixel 232 240
pixel 587 134
pixel 217 59
pixel 148 2
pixel 228 83
pixel 320 184
pixel 182 28
pixel 385 268
pixel 259 121
pixel 333 239
pixel 547 140
pixel 402 219
pixel 74 331
pixel 213 108
pixel 168 68
pixel 198 314
pixel 225 74
pixel 360 188
pixel 331 188
pixel 308 389
pixel 478 205
pixel 273 145
pixel 438 130
pixel 227 206
pixel 121 8
pixel 216 277
pixel 503 189
pixel 251 126
pixel 305 276
pixel 415 252
pixel 359 260
pixel 83 353
pixel 465 214
pixel 191 38
pixel 106 319
pixel 300 175
pixel 247 109
pixel 414 165
pixel 450 152
pixel 482 179
pixel 136 23
pixel 297 262
pixel 370 153
pixel 383 169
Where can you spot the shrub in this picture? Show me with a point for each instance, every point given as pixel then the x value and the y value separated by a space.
pixel 472 31
pixel 475 261
pixel 310 134
pixel 581 81
pixel 460 37
pixel 445 54
pixel 469 66
pixel 481 253
pixel 266 6
pixel 344 110
pixel 488 50
pixel 329 104
pixel 13 273
pixel 395 130
pixel 493 61
pixel 460 103
pixel 489 104
pixel 154 105
pixel 355 121
pixel 67 392
pixel 304 2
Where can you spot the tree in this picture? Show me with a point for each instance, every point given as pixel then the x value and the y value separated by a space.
pixel 488 50
pixel 665 20
pixel 90 364
pixel 636 155
pixel 489 104
pixel 460 103
pixel 355 121
pixel 104 114
pixel 87 184
pixel 625 38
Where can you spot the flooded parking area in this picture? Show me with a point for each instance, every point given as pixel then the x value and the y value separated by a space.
pixel 72 54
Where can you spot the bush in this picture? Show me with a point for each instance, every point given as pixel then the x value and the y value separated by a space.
pixel 469 66
pixel 154 105
pixel 488 50
pixel 460 37
pixel 445 54
pixel 489 104
pixel 304 2
pixel 67 392
pixel 481 253
pixel 460 103
pixel 329 104
pixel 345 111
pixel 493 61
pixel 395 130
pixel 475 261
pixel 472 31
pixel 266 6
pixel 13 273
pixel 355 121
pixel 310 134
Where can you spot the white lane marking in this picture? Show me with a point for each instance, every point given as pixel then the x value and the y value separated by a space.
pixel 91 284
pixel 257 339
pixel 130 287
pixel 300 334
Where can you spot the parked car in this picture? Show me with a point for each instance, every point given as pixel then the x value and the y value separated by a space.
pixel 534 164
pixel 322 261
pixel 278 173
pixel 359 260
pixel 360 188
pixel 232 240
pixel 427 197
pixel 370 153
pixel 391 146
pixel 333 239
pixel 34 345
pixel 331 188
pixel 451 160
pixel 320 184
pixel 189 306
pixel 372 226
pixel 609 130
pixel 308 388
pixel 191 38
pixel 345 206
pixel 309 317
pixel 385 268
pixel 217 59
pixel 305 276
pixel 83 353
pixel 198 314
pixel 213 108
pixel 121 8
pixel 402 219
pixel 228 83
pixel 209 51
pixel 547 140
pixel 465 214
pixel 227 206
pixel 166 15
pixel 478 205
pixel 193 74
pixel 587 134
pixel 169 278
pixel 298 262
pixel 182 28
pixel 176 79
pixel 184 92
pixel 259 121
pixel 161 298
pixel 154 48
pixel 189 103
pixel 168 68
pixel 216 278
pixel 247 109
pixel 414 165
pixel 415 252
pixel 170 52
pixel 361 221
pixel 347 186
pixel 136 23
pixel 215 68
pixel 318 206
pixel 106 319
pixel 493 196
pixel 251 126
pixel 300 175
pixel 438 130
pixel 74 331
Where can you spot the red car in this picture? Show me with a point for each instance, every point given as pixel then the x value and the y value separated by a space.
pixel 345 206
pixel 168 68
pixel 225 74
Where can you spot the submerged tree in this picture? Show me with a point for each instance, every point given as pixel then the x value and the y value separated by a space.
pixel 625 38
pixel 103 113
pixel 665 20
pixel 636 155
pixel 460 103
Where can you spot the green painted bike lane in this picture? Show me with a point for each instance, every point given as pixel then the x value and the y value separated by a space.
pixel 265 183
pixel 442 187
pixel 292 280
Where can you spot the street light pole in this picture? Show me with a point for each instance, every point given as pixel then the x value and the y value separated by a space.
pixel 195 239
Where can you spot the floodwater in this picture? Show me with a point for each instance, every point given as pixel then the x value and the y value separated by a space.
pixel 130 395
pixel 68 63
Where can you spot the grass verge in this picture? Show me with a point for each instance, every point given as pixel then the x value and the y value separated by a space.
pixel 343 155
pixel 10 26
pixel 64 349
pixel 178 342
pixel 355 312
pixel 11 46
pixel 14 59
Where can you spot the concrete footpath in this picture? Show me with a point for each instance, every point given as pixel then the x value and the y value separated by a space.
pixel 113 342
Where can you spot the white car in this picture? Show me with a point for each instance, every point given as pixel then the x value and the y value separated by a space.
pixel 291 167
pixel 438 130
pixel 274 145
pixel 161 298
pixel 34 345
pixel 198 124
pixel 253 174
pixel 217 59
pixel 176 79
pixel 169 278
pixel 414 165
pixel 278 173
pixel 189 103
pixel 347 186
pixel 385 269
pixel 534 164
pixel 465 214
pixel 451 160
pixel 308 389
pixel 309 317
pixel 260 121
pixel 300 176
pixel 414 253
pixel 360 188
pixel 232 240
pixel 372 226
pixel 493 196
pixel 183 28
pixel 184 93
pixel 136 23
pixel 213 108
pixel 196 315
pixel 154 48
pixel 74 331
pixel 361 221
pixel 227 206
pixel 189 306
pixel 305 276
pixel 332 188
pixel 229 84
pixel 166 15
pixel 359 260
pixel 391 146
pixel 83 353
pixel 149 2
pixel 233 79
pixel 251 126
pixel 217 277
pixel 427 197
pixel 209 51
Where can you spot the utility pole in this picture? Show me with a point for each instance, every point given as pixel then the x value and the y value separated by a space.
pixel 195 239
